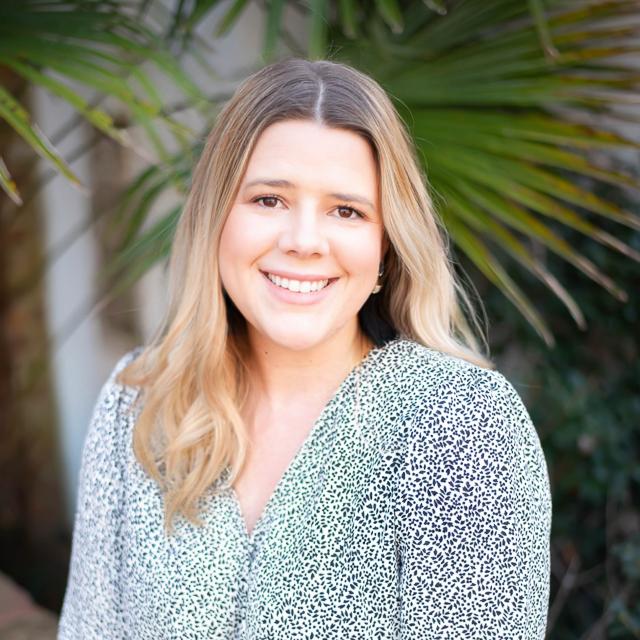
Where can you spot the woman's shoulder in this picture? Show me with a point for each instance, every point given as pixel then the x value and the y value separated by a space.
pixel 102 450
pixel 123 362
pixel 425 370
pixel 443 389
pixel 113 386
pixel 464 414
pixel 113 400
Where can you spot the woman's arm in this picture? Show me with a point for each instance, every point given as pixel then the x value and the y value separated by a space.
pixel 92 608
pixel 474 516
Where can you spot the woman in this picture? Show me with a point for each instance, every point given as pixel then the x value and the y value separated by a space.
pixel 312 446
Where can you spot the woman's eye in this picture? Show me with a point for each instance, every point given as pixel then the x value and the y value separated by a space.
pixel 350 211
pixel 268 201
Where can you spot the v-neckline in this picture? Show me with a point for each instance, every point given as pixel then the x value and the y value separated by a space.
pixel 306 444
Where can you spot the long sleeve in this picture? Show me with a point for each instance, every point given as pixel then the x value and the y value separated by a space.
pixel 473 516
pixel 92 607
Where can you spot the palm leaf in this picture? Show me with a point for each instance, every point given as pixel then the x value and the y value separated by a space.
pixel 496 96
pixel 390 12
pixel 494 271
pixel 19 120
pixel 274 19
pixel 348 17
pixel 139 255
pixel 97 117
pixel 318 28
pixel 230 17
pixel 8 184
pixel 489 227
pixel 58 44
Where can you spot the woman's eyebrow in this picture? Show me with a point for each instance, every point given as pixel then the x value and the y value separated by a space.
pixel 285 184
pixel 270 183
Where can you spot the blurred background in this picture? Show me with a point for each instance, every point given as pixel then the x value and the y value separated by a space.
pixel 526 114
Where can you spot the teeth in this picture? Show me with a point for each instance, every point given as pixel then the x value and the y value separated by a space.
pixel 302 286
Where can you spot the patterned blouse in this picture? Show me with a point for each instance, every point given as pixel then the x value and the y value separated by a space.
pixel 418 507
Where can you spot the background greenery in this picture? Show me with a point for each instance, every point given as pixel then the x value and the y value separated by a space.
pixel 519 111
pixel 584 398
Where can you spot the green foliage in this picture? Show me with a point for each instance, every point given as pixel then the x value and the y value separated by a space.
pixel 584 398
pixel 100 45
pixel 499 113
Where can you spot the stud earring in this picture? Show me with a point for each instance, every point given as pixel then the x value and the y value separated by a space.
pixel 377 288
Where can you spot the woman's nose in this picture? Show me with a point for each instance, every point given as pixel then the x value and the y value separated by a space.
pixel 304 232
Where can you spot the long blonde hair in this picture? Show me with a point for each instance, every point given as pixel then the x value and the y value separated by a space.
pixel 193 374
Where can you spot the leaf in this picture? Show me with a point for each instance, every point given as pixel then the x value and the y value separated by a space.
pixel 99 46
pixel 274 18
pixel 519 218
pixel 537 11
pixel 8 184
pixel 348 19
pixel 391 14
pixel 526 151
pixel 144 192
pixel 482 222
pixel 18 119
pixel 318 28
pixel 436 5
pixel 136 258
pixel 478 253
pixel 523 125
pixel 98 118
pixel 522 179
pixel 200 10
pixel 230 17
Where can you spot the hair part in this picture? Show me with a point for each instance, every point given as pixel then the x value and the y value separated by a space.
pixel 193 374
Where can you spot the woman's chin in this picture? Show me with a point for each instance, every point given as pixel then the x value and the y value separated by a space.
pixel 297 340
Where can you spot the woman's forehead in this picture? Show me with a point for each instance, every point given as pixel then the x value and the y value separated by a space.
pixel 299 153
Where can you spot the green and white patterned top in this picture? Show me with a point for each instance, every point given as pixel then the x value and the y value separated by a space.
pixel 428 517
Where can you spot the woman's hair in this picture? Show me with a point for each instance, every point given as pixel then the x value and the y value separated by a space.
pixel 193 374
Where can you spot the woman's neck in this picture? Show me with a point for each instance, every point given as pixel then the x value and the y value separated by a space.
pixel 283 376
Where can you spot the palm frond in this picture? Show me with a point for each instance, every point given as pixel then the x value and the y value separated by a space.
pixel 8 184
pixel 505 102
pixel 18 118
pixel 60 45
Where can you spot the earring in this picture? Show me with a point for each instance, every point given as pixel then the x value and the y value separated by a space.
pixel 377 288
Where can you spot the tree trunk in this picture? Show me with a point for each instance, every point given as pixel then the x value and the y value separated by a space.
pixel 33 550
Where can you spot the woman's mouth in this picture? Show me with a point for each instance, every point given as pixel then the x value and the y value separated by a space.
pixel 294 289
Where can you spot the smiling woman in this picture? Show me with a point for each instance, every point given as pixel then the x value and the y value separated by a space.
pixel 304 236
pixel 312 445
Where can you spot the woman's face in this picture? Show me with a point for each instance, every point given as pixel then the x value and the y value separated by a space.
pixel 300 250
